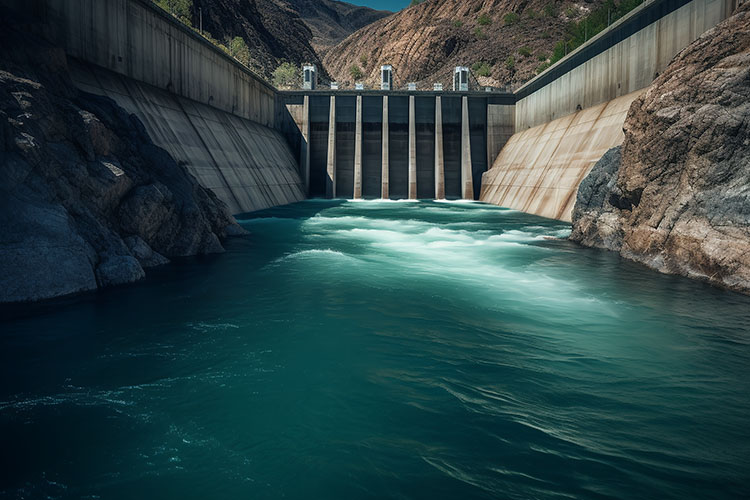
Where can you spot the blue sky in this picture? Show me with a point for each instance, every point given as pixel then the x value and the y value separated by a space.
pixel 392 5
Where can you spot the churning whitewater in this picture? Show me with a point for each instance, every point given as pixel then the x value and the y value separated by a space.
pixel 383 350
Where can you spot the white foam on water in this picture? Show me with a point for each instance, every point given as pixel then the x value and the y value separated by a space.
pixel 460 202
pixel 316 253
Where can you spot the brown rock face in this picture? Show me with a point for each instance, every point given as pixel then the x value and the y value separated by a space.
pixel 678 200
pixel 425 42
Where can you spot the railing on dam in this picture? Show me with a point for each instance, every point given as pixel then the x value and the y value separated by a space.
pixel 398 144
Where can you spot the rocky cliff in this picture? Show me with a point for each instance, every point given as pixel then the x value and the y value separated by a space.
pixel 282 30
pixel 676 195
pixel 505 41
pixel 86 199
pixel 330 21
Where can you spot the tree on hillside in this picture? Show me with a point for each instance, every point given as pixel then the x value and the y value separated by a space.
pixel 286 76
pixel 181 9
pixel 239 50
pixel 355 72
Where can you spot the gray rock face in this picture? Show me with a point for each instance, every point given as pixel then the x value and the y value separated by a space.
pixel 86 199
pixel 678 200
pixel 596 223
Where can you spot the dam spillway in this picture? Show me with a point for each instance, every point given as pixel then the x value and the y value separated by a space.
pixel 397 145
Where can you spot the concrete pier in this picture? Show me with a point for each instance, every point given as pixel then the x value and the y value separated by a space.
pixel 305 145
pixel 331 162
pixel 412 150
pixel 439 158
pixel 358 151
pixel 385 149
pixel 467 183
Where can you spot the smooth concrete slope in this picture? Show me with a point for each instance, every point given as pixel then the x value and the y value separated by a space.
pixel 248 166
pixel 570 115
pixel 539 170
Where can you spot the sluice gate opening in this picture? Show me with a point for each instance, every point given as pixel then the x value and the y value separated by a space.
pixel 395 145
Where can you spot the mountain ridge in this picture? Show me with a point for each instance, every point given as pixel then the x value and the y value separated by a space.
pixel 506 42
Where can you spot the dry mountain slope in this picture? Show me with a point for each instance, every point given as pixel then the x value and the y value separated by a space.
pixel 331 20
pixel 425 42
pixel 282 30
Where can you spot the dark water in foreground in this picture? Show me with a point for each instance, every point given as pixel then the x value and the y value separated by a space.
pixel 383 350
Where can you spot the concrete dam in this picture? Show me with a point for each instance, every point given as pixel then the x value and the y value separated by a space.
pixel 399 145
pixel 257 147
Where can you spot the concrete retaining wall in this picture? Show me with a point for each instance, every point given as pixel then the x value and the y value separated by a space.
pixel 136 39
pixel 569 116
pixel 211 113
pixel 249 166
pixel 625 58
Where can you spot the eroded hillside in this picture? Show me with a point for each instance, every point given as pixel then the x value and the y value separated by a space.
pixel 273 31
pixel 504 41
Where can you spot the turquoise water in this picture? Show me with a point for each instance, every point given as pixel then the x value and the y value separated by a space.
pixel 382 350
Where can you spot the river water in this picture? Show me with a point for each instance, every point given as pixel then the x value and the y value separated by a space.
pixel 382 350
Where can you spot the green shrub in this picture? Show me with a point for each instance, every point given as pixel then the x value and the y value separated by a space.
pixel 510 18
pixel 484 20
pixel 510 62
pixel 543 56
pixel 550 10
pixel 546 35
pixel 542 67
pixel 239 50
pixel 570 12
pixel 480 34
pixel 457 23
pixel 559 51
pixel 481 69
pixel 596 21
pixel 363 60
pixel 532 14
pixel 355 72
pixel 524 51
pixel 181 9
pixel 286 76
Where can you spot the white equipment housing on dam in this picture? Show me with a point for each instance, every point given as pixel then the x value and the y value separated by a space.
pixel 257 147
pixel 309 77
pixel 461 79
pixel 386 77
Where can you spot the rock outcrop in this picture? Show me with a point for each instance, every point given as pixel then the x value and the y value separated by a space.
pixel 86 199
pixel 297 31
pixel 676 197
